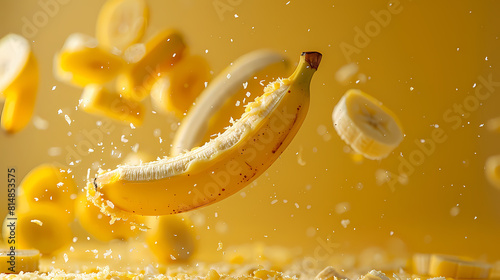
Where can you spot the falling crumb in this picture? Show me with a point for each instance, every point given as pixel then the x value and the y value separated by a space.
pixel 345 223
pixel 68 119
pixel 123 139
pixel 346 72
pixel 59 111
pixel 107 253
pixel 135 147
pixel 110 204
pixel 236 16
pixel 219 246
pixel 65 257
pixel 38 222
pixel 40 123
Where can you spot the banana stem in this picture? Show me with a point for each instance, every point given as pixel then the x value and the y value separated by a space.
pixel 308 64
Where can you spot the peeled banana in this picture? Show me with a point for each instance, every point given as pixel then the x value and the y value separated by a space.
pixel 366 125
pixel 121 23
pixel 18 82
pixel 227 83
pixel 221 167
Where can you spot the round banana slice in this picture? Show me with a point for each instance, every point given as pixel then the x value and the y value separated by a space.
pixel 18 82
pixel 171 238
pixel 121 23
pixel 49 184
pixel 15 261
pixel 82 61
pixel 43 227
pixel 457 267
pixel 178 88
pixel 194 126
pixel 366 125
pixel 492 169
pixel 98 224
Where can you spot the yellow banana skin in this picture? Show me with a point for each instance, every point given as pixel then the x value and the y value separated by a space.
pixel 222 166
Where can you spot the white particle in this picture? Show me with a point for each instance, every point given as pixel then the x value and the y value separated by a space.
pixel 296 205
pixel 236 16
pixel 54 87
pixel 206 51
pixel 486 58
pixel 132 126
pixel 123 139
pixel 135 148
pixel 59 111
pixel 345 223
pixel 228 76
pixel 411 88
pixel 68 120
pixel 38 222
pixel 237 103
pixel 245 84
pixel 40 123
pixel 274 201
pixel 65 257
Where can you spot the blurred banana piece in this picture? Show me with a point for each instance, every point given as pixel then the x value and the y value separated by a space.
pixel 18 82
pixel 81 62
pixel 192 131
pixel 374 275
pixel 176 90
pixel 162 52
pixel 42 227
pixel 171 238
pixel 98 224
pixel 457 267
pixel 366 125
pixel 96 99
pixel 121 23
pixel 492 169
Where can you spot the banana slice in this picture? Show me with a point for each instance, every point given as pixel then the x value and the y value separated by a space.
pixel 121 23
pixel 456 267
pixel 18 82
pixel 98 225
pixel 19 260
pixel 194 126
pixel 162 52
pixel 82 61
pixel 420 264
pixel 178 88
pixel 96 99
pixel 492 169
pixel 43 226
pixel 221 167
pixel 171 238
pixel 49 184
pixel 366 125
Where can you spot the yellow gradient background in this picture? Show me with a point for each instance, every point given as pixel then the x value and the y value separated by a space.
pixel 427 58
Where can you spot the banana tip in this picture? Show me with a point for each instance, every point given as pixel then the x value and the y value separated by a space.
pixel 313 59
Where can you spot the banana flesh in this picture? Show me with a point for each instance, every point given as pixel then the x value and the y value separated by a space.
pixel 492 169
pixel 222 166
pixel 192 130
pixel 366 125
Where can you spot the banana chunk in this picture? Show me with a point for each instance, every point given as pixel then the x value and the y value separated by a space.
pixel 82 61
pixel 96 99
pixel 221 167
pixel 178 88
pixel 162 52
pixel 23 260
pixel 18 82
pixel 121 23
pixel 171 238
pixel 492 169
pixel 375 275
pixel 456 267
pixel 420 264
pixel 366 125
